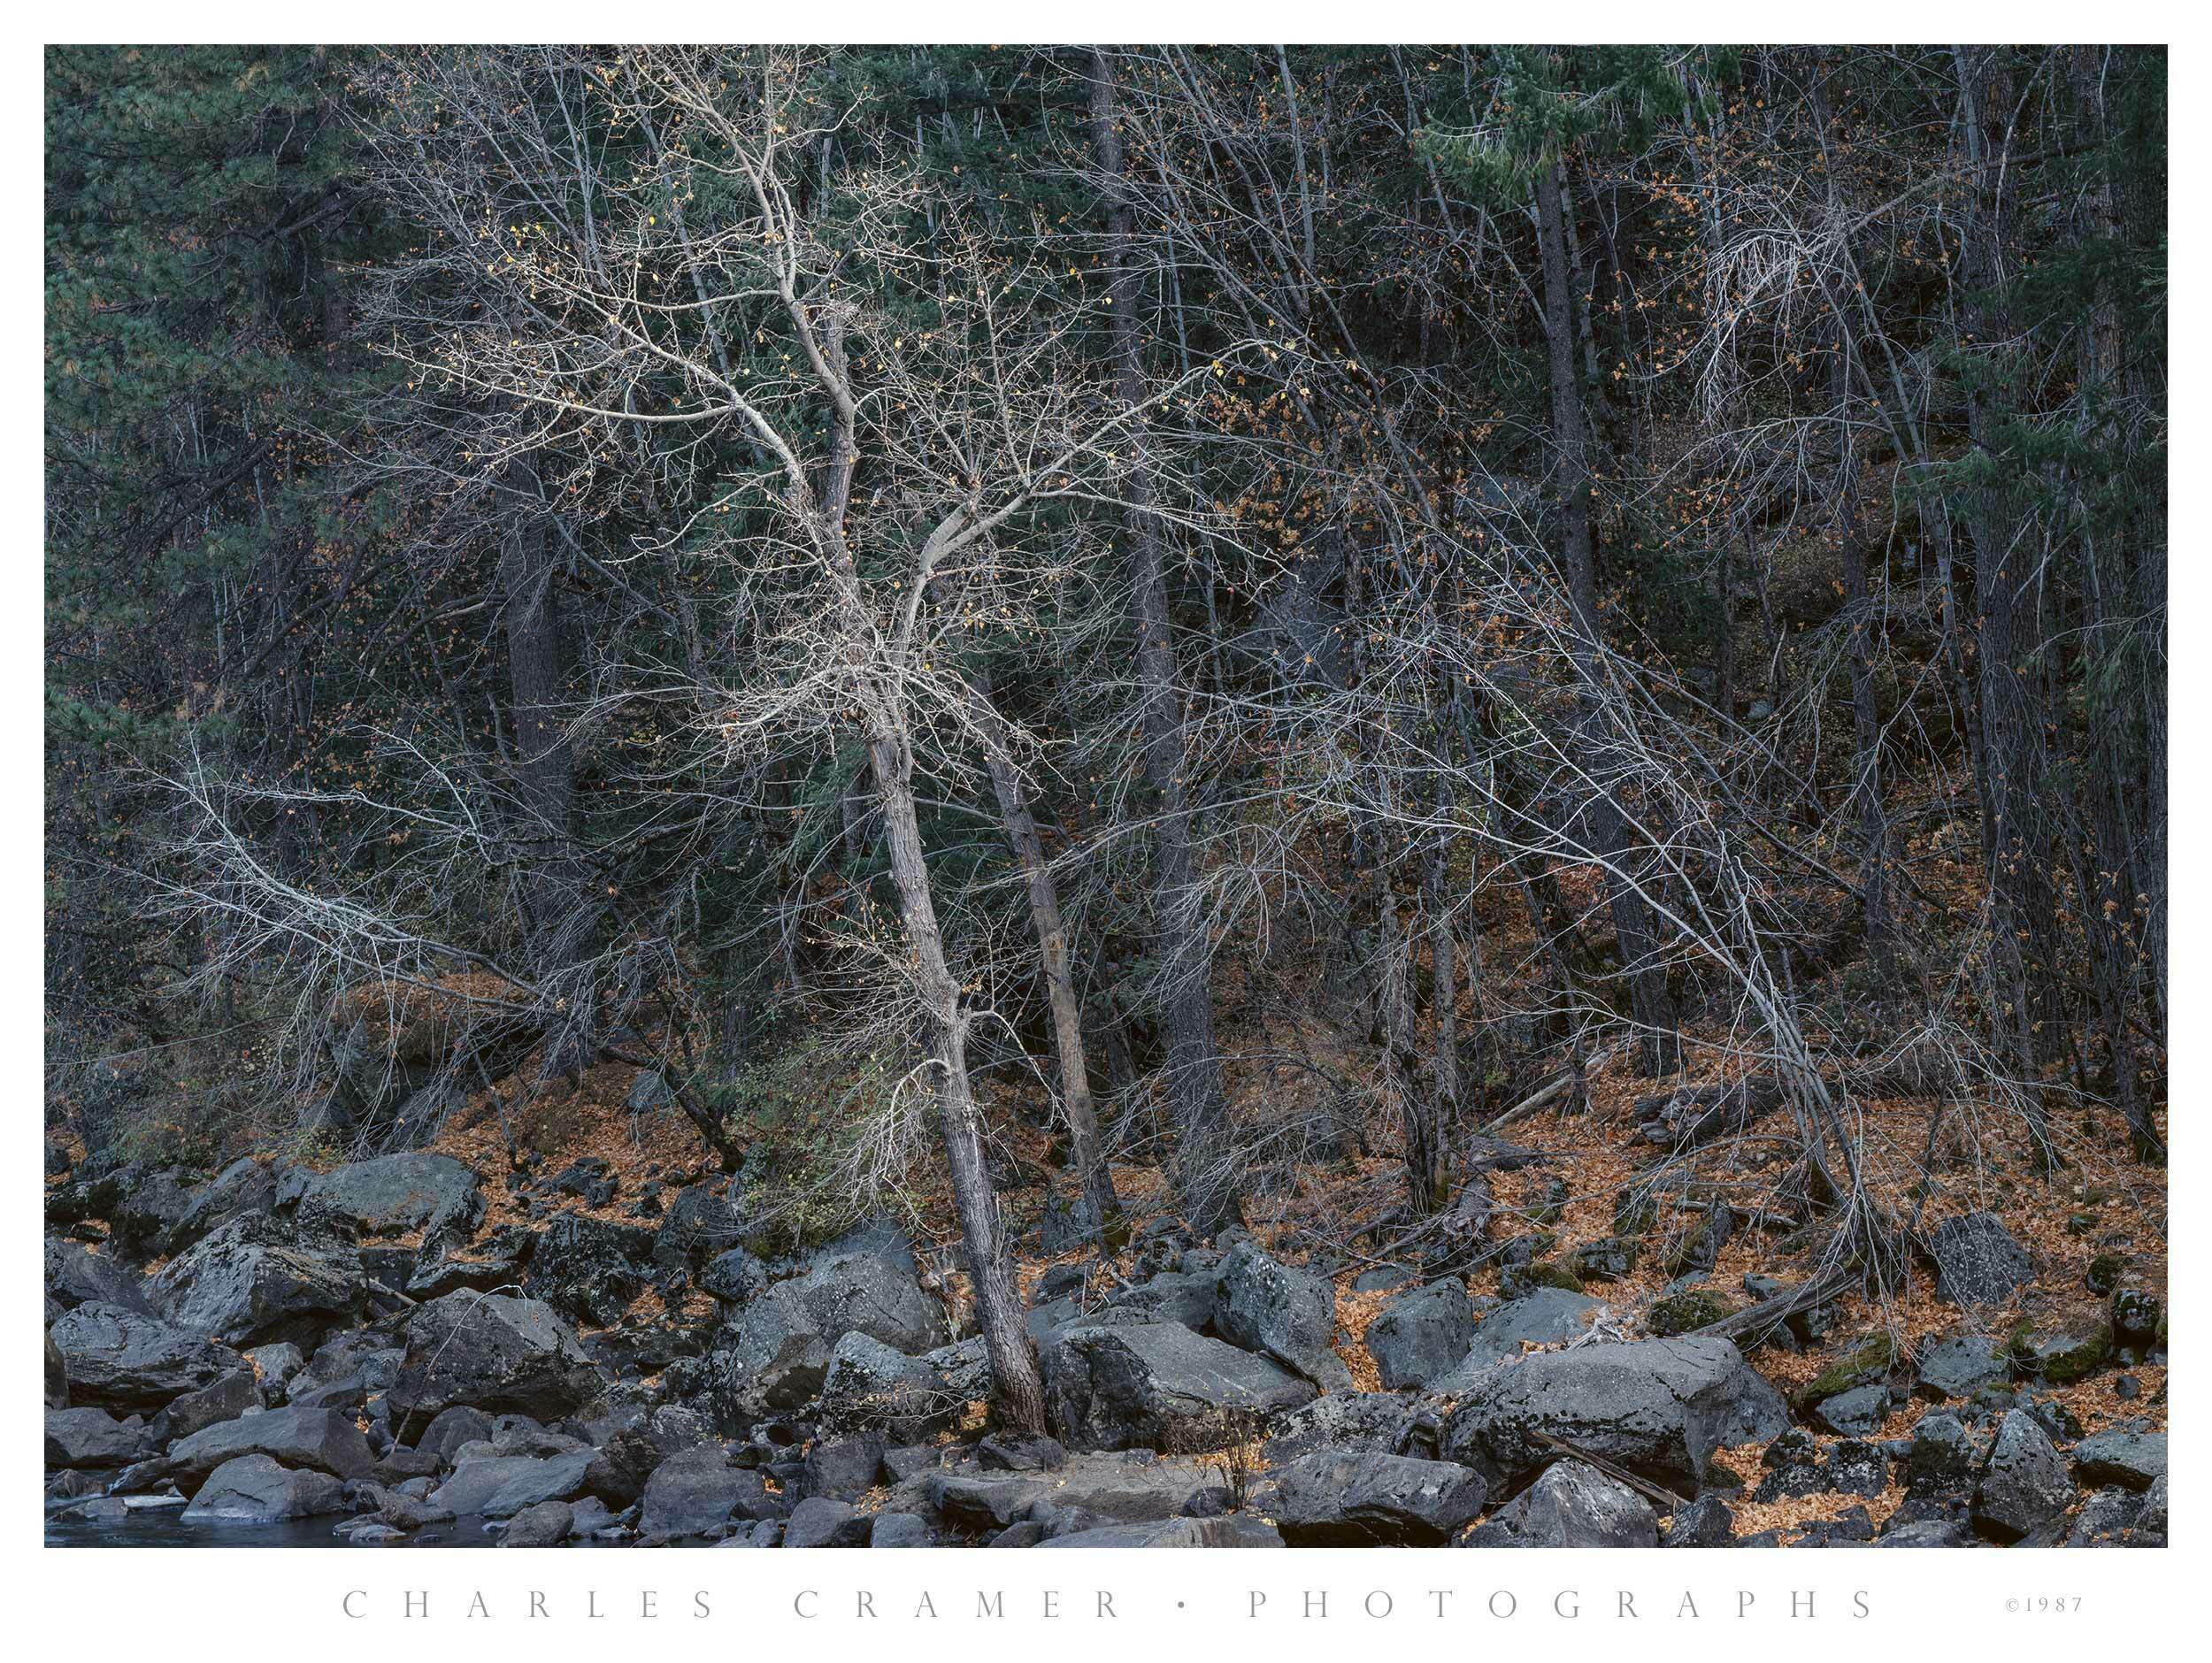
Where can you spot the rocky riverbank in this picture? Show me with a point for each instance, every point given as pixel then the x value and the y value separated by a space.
pixel 272 1350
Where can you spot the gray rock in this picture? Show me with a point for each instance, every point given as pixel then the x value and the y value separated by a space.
pixel 498 1486
pixel 1705 1522
pixel 2127 1456
pixel 1350 1497
pixel 395 1195
pixel 317 1438
pixel 1159 1386
pixel 1544 1316
pixel 541 1524
pixel 703 1222
pixel 2025 1486
pixel 255 1490
pixel 1104 1486
pixel 781 1357
pixel 818 1522
pixel 868 1385
pixel 240 1285
pixel 492 1353
pixel 92 1438
pixel 1958 1365
pixel 2105 1520
pixel 697 1491
pixel 1924 1533
pixel 1421 1335
pixel 733 1278
pixel 125 1359
pixel 450 1428
pixel 1172 1296
pixel 844 1468
pixel 2149 1529
pixel 590 1269
pixel 76 1275
pixel 1572 1504
pixel 1661 1408
pixel 236 1393
pixel 621 1467
pixel 273 1367
pixel 900 1530
pixel 1853 1412
pixel 1941 1457
pixel 1977 1263
pixel 1234 1531
pixel 1385 1276
pixel 1287 1314
pixel 1374 1421
pixel 874 1293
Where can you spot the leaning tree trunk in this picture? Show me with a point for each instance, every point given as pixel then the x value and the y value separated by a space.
pixel 1653 1004
pixel 1016 1385
pixel 1099 1202
pixel 1205 1176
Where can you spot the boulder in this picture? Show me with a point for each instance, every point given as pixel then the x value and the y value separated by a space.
pixel 149 1207
pixel 499 1486
pixel 1421 1335
pixel 781 1357
pixel 76 1275
pixel 621 1466
pixel 2149 1529
pixel 245 1188
pixel 2024 1486
pixel 1546 1316
pixel 2105 1520
pixel 126 1360
pixel 701 1221
pixel 1375 1421
pixel 541 1524
pixel 1234 1531
pixel 1661 1408
pixel 273 1367
pixel 1349 1497
pixel 1106 1486
pixel 1159 1386
pixel 818 1522
pixel 92 1438
pixel 1173 1296
pixel 873 1292
pixel 450 1428
pixel 1977 1263
pixel 1854 1413
pixel 697 1491
pixel 1572 1504
pixel 57 1375
pixel 2128 1456
pixel 869 1386
pixel 2066 1350
pixel 844 1468
pixel 318 1438
pixel 255 1490
pixel 244 1285
pixel 900 1530
pixel 1286 1314
pixel 1959 1364
pixel 1705 1522
pixel 733 1278
pixel 492 1353
pixel 588 1270
pixel 395 1195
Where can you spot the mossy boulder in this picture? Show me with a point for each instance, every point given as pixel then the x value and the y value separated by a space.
pixel 1517 1280
pixel 2066 1352
pixel 1867 1362
pixel 1609 1259
pixel 2105 1271
pixel 1691 1309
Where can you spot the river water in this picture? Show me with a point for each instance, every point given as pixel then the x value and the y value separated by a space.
pixel 169 1530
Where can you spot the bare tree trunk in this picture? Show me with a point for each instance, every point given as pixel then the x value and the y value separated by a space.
pixel 1653 1005
pixel 555 888
pixel 1017 1384
pixel 1100 1203
pixel 1204 1174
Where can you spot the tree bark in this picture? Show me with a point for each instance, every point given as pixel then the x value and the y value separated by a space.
pixel 1653 1005
pixel 1204 1171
